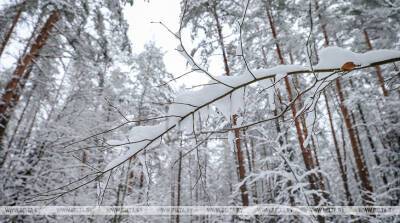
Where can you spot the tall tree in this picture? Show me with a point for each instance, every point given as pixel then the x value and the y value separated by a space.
pixel 360 162
pixel 14 22
pixel 12 92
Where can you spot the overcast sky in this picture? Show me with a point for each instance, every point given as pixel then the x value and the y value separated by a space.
pixel 141 31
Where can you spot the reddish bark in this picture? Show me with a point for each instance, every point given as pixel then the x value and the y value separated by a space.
pixel 377 68
pixel 11 94
pixel 323 25
pixel 343 173
pixel 240 159
pixel 220 38
pixel 306 151
pixel 239 152
pixel 360 164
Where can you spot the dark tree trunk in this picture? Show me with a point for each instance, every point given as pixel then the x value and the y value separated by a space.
pixel 343 173
pixel 178 198
pixel 239 152
pixel 360 164
pixel 12 92
pixel 306 151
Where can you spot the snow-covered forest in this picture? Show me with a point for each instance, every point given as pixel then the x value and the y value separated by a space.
pixel 298 106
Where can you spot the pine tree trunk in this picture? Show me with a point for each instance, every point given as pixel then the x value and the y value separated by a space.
pixel 377 68
pixel 371 142
pixel 317 164
pixel 178 196
pixel 17 127
pixel 11 29
pixel 250 164
pixel 23 141
pixel 342 170
pixel 343 173
pixel 11 96
pixel 240 159
pixel 253 162
pixel 360 163
pixel 220 38
pixel 131 181
pixel 306 151
pixel 305 132
pixel 323 25
pixel 141 184
pixel 239 152
pixel 369 136
pixel 287 168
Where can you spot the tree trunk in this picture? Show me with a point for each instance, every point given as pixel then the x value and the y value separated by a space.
pixel 17 127
pixel 250 164
pixel 253 154
pixel 343 173
pixel 221 38
pixel 371 142
pixel 377 68
pixel 11 95
pixel 360 164
pixel 240 159
pixel 305 132
pixel 369 136
pixel 323 25
pixel 11 29
pixel 342 168
pixel 306 151
pixel 178 196
pixel 239 152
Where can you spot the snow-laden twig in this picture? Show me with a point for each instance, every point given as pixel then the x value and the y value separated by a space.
pixel 332 59
pixel 213 93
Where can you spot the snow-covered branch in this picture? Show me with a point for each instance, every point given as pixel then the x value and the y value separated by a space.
pixel 184 112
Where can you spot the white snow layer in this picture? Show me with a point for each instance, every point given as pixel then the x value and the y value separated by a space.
pixel 335 57
pixel 139 138
pixel 193 104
